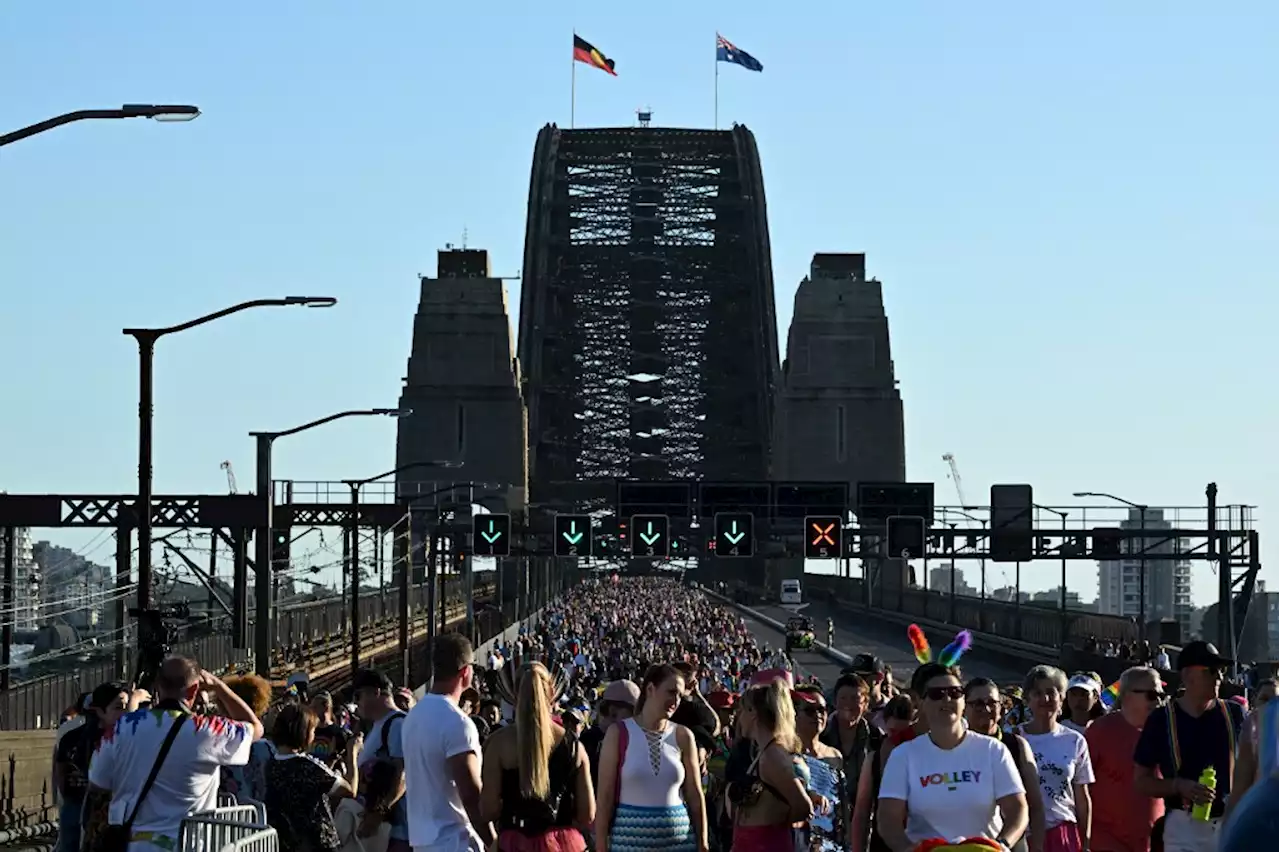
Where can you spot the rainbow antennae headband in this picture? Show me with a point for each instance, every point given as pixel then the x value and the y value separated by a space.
pixel 949 656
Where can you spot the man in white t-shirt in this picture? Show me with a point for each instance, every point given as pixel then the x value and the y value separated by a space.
pixel 951 793
pixel 188 778
pixel 442 759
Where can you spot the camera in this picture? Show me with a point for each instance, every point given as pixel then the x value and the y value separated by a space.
pixel 157 631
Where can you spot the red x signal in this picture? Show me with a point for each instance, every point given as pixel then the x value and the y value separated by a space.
pixel 824 534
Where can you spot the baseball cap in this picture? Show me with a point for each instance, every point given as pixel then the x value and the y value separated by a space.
pixel 1201 654
pixel 866 664
pixel 621 692
pixel 1084 682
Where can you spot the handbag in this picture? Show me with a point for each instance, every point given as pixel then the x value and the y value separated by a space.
pixel 116 838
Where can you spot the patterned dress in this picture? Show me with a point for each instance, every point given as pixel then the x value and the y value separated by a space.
pixel 827 831
pixel 650 814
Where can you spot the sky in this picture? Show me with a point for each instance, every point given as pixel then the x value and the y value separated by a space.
pixel 1073 210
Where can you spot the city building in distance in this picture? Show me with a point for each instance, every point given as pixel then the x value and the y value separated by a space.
pixel 1168 589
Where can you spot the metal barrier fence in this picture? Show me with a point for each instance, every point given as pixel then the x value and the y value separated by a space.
pixel 235 828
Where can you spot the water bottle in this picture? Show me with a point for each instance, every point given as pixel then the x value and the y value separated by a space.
pixel 1208 778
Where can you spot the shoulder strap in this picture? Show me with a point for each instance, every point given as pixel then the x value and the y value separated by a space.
pixel 384 747
pixel 1175 750
pixel 155 768
pixel 1231 737
pixel 624 740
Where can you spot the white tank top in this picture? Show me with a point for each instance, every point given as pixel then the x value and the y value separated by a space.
pixel 652 771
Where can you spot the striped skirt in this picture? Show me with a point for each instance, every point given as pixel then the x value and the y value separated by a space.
pixel 637 829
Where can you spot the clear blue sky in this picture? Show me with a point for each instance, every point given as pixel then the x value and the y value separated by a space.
pixel 1073 210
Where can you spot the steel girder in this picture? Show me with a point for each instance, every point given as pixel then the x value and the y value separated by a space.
pixel 647 330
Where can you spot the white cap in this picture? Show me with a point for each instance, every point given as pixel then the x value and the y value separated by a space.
pixel 1085 682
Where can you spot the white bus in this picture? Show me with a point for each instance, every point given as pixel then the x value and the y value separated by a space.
pixel 790 593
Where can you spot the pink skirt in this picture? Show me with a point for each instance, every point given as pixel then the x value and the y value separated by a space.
pixel 555 840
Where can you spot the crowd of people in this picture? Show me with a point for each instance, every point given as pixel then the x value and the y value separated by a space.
pixel 640 715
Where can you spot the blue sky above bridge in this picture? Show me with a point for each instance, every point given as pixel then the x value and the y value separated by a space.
pixel 1072 208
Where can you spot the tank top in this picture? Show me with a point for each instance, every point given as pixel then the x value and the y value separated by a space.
pixel 533 817
pixel 652 771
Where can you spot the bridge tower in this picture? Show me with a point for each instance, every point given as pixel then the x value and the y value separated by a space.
pixel 840 410
pixel 647 330
pixel 462 384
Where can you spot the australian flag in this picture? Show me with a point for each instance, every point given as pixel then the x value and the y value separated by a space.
pixel 726 52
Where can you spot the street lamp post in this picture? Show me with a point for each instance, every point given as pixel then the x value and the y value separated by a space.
pixel 169 112
pixel 146 338
pixel 402 584
pixel 1062 552
pixel 262 546
pixel 1142 554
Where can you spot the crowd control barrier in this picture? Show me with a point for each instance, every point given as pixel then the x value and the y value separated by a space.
pixel 235 828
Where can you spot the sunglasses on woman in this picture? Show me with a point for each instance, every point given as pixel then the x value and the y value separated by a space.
pixel 944 693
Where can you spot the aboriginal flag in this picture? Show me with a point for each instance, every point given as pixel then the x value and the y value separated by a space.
pixel 584 52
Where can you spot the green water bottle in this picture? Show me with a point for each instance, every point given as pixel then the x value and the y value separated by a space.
pixel 1208 778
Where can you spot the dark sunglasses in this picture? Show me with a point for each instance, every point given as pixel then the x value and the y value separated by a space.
pixel 1151 694
pixel 989 703
pixel 944 693
pixel 812 709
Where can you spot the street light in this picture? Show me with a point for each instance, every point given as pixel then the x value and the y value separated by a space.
pixel 403 584
pixel 1142 554
pixel 262 547
pixel 1062 551
pixel 167 112
pixel 147 338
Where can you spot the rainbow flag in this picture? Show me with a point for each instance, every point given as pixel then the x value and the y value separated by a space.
pixel 1111 696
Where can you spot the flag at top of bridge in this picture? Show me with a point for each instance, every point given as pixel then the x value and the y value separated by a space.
pixel 726 52
pixel 583 51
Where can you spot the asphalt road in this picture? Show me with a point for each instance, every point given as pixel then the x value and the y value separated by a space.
pixel 886 642
pixel 806 662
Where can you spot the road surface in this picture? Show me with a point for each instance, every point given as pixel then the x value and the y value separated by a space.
pixel 889 643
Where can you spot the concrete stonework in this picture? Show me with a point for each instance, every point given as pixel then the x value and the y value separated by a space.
pixel 463 380
pixel 839 412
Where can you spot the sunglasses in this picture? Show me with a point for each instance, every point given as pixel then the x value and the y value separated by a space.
pixel 1151 694
pixel 812 709
pixel 944 693
pixel 987 704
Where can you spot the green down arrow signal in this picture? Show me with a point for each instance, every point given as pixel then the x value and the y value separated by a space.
pixel 649 536
pixel 572 536
pixel 491 536
pixel 735 536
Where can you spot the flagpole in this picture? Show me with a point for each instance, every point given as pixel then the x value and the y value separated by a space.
pixel 717 87
pixel 573 84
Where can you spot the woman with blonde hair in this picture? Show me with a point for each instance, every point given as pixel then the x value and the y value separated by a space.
pixel 771 796
pixel 536 781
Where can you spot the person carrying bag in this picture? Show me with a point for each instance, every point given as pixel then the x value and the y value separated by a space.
pixel 116 838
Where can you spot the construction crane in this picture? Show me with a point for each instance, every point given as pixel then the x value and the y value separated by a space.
pixel 955 477
pixel 231 477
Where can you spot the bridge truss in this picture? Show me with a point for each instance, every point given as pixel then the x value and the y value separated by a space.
pixel 647 330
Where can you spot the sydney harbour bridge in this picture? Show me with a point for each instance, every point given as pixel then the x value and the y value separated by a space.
pixel 647 379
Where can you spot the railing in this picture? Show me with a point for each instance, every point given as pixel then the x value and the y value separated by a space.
pixel 308 631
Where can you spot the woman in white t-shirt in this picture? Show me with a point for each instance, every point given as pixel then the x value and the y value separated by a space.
pixel 1062 758
pixel 949 784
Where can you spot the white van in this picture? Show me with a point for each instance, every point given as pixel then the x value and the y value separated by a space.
pixel 790 593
